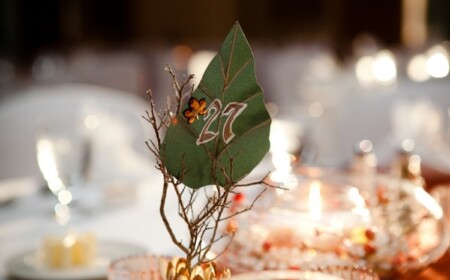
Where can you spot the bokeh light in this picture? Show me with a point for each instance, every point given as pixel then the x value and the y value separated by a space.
pixel 384 68
pixel 437 64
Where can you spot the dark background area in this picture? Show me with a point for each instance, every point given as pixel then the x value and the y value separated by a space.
pixel 30 27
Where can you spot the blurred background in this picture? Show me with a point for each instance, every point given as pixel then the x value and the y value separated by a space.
pixel 349 83
pixel 341 70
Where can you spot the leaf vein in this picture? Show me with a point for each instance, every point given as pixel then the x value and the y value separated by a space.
pixel 233 42
pixel 238 72
pixel 221 66
pixel 206 91
pixel 267 121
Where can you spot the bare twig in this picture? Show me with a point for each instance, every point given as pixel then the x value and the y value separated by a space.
pixel 204 225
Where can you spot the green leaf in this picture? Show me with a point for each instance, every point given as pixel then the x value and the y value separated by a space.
pixel 225 159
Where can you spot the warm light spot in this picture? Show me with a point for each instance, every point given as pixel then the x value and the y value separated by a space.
pixel 414 165
pixel 69 240
pixel 365 146
pixel 408 145
pixel 181 56
pixel 62 213
pixel 47 164
pixel 364 70
pixel 384 68
pixel 65 197
pixel 285 142
pixel 315 200
pixel 91 121
pixel 360 205
pixel 198 63
pixel 371 160
pixel 358 235
pixel 315 110
pixel 437 64
pixel 417 68
pixel 312 252
pixel 355 197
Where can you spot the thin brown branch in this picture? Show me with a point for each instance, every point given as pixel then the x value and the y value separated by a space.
pixel 166 221
pixel 203 225
pixel 245 209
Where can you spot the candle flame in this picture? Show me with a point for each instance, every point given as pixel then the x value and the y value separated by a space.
pixel 315 201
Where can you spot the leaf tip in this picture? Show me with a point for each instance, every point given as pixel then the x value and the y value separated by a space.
pixel 237 25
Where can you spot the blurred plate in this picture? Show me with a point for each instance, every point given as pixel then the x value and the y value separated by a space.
pixel 27 266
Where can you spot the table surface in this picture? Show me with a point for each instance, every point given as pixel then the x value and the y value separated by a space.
pixel 24 221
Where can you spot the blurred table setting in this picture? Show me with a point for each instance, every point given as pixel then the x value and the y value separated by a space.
pixel 119 153
pixel 74 159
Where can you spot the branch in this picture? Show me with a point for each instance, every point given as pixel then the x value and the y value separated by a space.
pixel 166 221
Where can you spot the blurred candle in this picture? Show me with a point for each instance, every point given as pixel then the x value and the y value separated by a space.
pixel 285 146
pixel 315 200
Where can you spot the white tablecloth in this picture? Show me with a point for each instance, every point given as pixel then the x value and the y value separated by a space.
pixel 24 221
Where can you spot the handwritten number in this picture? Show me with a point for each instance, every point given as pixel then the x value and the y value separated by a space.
pixel 231 112
pixel 213 112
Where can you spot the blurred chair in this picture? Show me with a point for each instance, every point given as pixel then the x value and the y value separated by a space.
pixel 111 118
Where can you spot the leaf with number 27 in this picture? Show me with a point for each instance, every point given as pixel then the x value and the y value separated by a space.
pixel 226 142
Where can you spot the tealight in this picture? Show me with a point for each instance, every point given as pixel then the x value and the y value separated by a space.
pixel 71 250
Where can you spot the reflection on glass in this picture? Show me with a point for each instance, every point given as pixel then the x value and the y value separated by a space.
pixel 63 159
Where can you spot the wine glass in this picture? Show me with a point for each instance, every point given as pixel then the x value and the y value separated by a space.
pixel 286 147
pixel 63 156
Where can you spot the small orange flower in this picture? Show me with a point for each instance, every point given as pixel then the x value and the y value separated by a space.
pixel 195 110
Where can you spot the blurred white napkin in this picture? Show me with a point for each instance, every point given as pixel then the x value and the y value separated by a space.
pixel 11 189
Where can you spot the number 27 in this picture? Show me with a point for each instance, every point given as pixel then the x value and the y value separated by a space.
pixel 231 111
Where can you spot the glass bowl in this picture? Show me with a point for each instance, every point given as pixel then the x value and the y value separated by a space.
pixel 339 218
